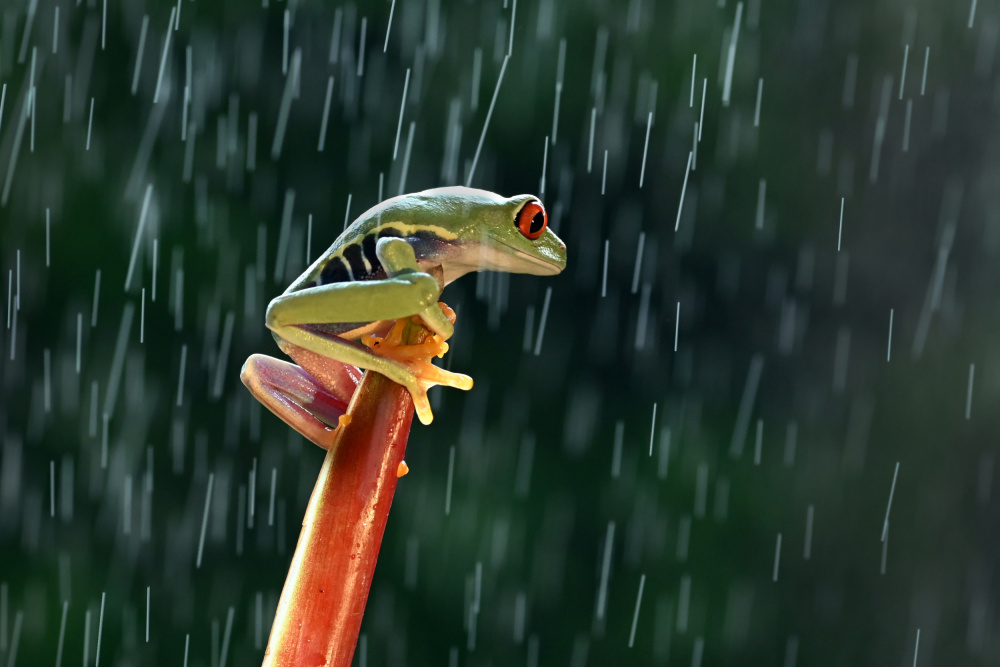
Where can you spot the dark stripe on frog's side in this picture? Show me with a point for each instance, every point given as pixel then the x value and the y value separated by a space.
pixel 334 272
pixel 352 255
pixel 368 250
pixel 348 264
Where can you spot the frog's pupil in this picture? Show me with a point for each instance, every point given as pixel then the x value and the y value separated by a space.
pixel 537 222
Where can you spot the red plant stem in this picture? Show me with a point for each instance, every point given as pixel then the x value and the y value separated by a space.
pixel 322 603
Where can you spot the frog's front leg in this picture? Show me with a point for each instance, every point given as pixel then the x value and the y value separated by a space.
pixel 405 292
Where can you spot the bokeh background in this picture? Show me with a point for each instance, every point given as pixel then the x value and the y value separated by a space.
pixel 621 486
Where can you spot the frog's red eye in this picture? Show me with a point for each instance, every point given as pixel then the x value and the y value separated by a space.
pixel 532 220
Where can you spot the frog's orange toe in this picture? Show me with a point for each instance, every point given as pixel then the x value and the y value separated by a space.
pixel 416 359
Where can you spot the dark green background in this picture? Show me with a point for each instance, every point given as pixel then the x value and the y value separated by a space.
pixel 542 545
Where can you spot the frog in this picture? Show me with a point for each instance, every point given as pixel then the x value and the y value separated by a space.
pixel 347 312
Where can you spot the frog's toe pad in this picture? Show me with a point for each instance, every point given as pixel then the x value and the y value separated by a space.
pixel 428 375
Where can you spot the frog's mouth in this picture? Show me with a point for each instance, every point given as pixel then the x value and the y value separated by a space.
pixel 492 254
pixel 518 261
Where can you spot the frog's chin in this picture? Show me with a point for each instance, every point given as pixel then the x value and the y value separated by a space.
pixel 514 260
pixel 521 263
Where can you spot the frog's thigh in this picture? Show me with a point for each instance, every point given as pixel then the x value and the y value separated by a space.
pixel 294 396
pixel 368 301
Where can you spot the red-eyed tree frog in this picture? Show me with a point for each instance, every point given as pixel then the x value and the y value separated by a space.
pixel 346 311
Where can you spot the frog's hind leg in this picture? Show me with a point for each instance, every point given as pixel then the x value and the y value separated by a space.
pixel 311 406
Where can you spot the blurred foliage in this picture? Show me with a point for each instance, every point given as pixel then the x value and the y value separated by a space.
pixel 534 488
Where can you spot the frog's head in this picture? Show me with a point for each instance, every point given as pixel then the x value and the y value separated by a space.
pixel 480 230
pixel 517 239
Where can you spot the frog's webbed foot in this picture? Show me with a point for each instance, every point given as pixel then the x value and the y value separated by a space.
pixel 416 362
